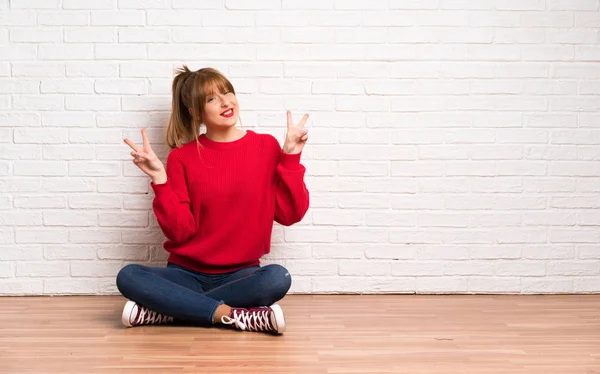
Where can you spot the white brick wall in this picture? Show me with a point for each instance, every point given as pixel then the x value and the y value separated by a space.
pixel 454 147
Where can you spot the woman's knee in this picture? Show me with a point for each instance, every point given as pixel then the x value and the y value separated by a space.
pixel 126 275
pixel 279 280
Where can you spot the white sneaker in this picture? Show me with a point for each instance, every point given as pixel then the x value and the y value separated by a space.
pixel 135 314
pixel 264 318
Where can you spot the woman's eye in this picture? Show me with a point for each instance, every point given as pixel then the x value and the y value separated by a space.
pixel 210 99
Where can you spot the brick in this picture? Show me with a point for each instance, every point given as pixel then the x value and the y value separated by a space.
pixel 581 5
pixel 586 284
pixel 495 219
pixel 96 201
pixel 69 286
pixel 69 185
pixel 142 236
pixel 95 136
pixel 35 35
pixel 92 69
pixel 19 218
pixel 6 270
pixel 286 251
pixel 573 268
pixel 568 168
pixel 94 236
pixel 178 18
pixel 97 169
pixel 20 185
pixel 21 253
pixel 62 218
pixel 547 285
pixel 89 35
pixel 310 235
pixel 363 201
pixel 118 18
pixel 96 102
pixel 363 268
pixel 588 252
pixel 121 119
pixel 123 252
pixel 137 202
pixel 144 4
pixel 549 252
pixel 312 267
pixel 42 236
pixel 39 201
pixel 360 284
pixel 359 235
pixel 433 252
pixel 495 252
pixel 63 18
pixel 406 236
pixel 520 5
pixel 89 4
pixel 454 185
pixel 587 19
pixel 254 5
pixel 331 251
pixel 42 269
pixel 568 152
pixel 17 18
pixel 144 35
pixel 44 102
pixel 441 285
pixel 494 285
pixel 19 119
pixel 71 51
pixel 333 218
pixel 123 219
pixel 67 86
pixel 124 185
pixel 573 235
pixel 69 252
pixel 95 268
pixel 145 103
pixel 67 152
pixel 21 287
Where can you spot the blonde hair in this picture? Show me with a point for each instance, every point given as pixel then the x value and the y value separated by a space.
pixel 190 90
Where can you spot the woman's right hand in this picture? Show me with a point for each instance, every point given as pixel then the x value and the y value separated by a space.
pixel 147 161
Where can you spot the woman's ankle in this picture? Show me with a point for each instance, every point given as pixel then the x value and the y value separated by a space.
pixel 222 310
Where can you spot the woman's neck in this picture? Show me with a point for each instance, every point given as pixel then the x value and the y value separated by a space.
pixel 225 135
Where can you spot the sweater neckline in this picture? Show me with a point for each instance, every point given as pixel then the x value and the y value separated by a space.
pixel 208 143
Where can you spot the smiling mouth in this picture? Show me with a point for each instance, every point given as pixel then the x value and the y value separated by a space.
pixel 228 113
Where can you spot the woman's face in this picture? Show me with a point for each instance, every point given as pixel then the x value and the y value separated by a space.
pixel 220 109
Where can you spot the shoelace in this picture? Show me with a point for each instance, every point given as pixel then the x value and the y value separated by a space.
pixel 148 317
pixel 251 321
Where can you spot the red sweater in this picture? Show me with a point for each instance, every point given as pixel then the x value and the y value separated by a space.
pixel 220 200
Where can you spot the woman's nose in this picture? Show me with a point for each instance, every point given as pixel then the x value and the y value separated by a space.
pixel 225 102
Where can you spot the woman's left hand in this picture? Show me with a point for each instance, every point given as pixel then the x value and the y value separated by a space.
pixel 296 135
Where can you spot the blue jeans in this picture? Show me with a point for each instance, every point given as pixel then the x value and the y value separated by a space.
pixel 191 296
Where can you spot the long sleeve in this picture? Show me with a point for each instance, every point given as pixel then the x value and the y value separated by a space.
pixel 291 194
pixel 171 203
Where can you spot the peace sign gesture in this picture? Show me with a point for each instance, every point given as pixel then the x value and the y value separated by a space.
pixel 147 161
pixel 296 135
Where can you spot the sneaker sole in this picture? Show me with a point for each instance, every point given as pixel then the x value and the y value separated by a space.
pixel 279 318
pixel 127 309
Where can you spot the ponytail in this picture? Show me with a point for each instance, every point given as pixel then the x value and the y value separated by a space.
pixel 182 127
